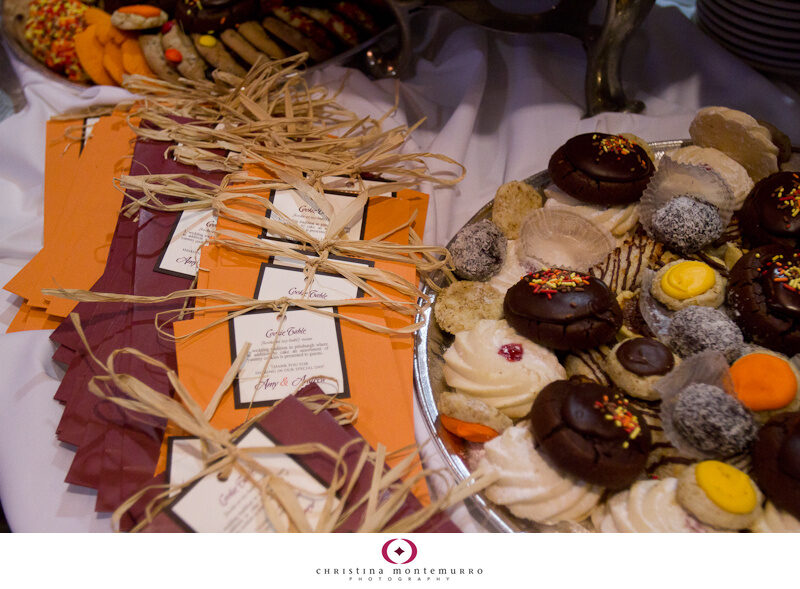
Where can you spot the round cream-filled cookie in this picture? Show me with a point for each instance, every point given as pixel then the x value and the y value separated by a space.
pixel 720 495
pixel 529 486
pixel 495 364
pixel 636 364
pixel 688 283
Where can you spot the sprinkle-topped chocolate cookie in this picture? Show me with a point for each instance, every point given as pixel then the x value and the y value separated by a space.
pixel 764 291
pixel 591 432
pixel 771 212
pixel 563 309
pixel 601 169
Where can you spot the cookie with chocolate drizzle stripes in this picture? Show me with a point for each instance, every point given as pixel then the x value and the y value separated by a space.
pixel 589 364
pixel 622 269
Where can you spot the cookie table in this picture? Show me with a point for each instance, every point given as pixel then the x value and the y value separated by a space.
pixel 500 104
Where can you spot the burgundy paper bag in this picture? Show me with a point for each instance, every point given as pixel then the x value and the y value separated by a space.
pixel 290 422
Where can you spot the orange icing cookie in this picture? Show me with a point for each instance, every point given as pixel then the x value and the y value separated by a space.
pixel 764 382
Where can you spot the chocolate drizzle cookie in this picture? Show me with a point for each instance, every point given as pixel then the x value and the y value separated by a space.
pixel 591 432
pixel 563 309
pixel 771 212
pixel 764 292
pixel 602 169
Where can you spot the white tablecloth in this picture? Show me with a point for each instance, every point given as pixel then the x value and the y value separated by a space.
pixel 500 104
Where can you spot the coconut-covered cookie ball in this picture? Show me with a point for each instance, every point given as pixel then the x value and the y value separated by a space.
pixel 478 251
pixel 686 224
pixel 712 421
pixel 696 329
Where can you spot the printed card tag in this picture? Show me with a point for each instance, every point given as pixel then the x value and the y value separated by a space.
pixel 181 256
pixel 283 277
pixel 234 505
pixel 309 217
pixel 301 346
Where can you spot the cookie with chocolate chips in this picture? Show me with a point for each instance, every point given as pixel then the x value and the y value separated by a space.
pixel 591 432
pixel 562 309
pixel 601 169
pixel 764 293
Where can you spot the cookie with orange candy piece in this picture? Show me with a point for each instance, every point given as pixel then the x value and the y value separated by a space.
pixel 470 418
pixel 766 382
pixel 137 17
pixel 720 495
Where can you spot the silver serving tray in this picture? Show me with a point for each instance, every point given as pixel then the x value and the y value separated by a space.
pixel 429 346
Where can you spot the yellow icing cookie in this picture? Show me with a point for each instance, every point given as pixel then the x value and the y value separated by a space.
pixel 728 487
pixel 688 279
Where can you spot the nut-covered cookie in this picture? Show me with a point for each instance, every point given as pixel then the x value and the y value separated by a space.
pixel 512 203
pixel 462 304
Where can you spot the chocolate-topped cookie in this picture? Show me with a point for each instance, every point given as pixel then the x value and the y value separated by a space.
pixel 776 461
pixel 764 293
pixel 210 16
pixel 771 212
pixel 636 364
pixel 591 432
pixel 645 357
pixel 562 309
pixel 601 169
